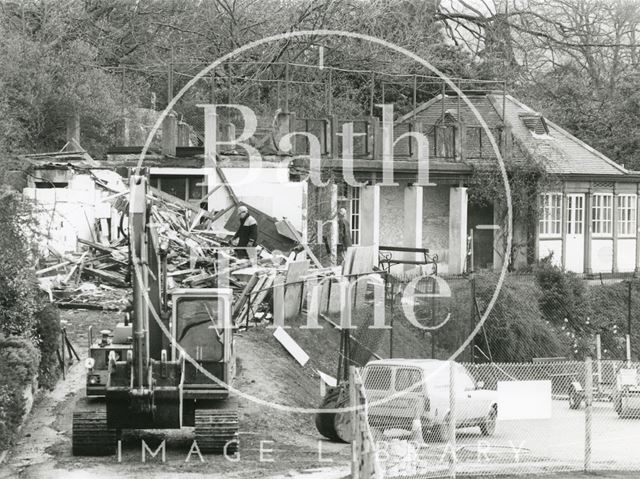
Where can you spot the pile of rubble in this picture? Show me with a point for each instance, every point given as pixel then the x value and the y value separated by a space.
pixel 198 256
pixel 93 279
pixel 267 285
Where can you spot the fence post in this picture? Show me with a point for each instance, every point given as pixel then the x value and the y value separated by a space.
pixel 452 420
pixel 353 403
pixel 64 356
pixel 588 399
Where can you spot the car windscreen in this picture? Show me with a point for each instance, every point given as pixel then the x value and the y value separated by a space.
pixel 408 379
pixel 378 378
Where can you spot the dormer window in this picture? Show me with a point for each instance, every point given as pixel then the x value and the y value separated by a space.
pixel 535 123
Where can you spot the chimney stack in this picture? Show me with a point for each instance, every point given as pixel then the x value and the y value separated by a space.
pixel 73 131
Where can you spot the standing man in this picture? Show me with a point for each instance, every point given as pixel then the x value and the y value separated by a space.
pixel 344 234
pixel 247 234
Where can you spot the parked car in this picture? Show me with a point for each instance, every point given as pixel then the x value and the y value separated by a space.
pixel 401 390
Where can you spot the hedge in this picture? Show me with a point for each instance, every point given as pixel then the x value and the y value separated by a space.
pixel 19 362
pixel 48 337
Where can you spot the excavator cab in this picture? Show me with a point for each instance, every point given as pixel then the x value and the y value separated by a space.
pixel 202 326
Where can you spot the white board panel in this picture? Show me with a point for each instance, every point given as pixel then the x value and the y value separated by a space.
pixel 626 255
pixel 524 400
pixel 548 246
pixel 291 346
pixel 602 255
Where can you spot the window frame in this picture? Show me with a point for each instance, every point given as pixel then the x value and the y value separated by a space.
pixel 602 222
pixel 626 227
pixel 573 221
pixel 548 222
pixel 156 181
pixel 354 213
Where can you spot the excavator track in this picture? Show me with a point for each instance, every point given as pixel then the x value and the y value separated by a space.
pixel 216 431
pixel 90 435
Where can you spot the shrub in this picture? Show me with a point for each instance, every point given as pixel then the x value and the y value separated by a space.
pixel 563 296
pixel 19 361
pixel 608 314
pixel 515 329
pixel 48 337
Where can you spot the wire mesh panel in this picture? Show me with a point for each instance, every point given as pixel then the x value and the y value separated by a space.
pixel 615 416
pixel 431 418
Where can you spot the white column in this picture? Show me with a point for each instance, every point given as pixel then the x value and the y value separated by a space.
pixel 413 219
pixel 457 229
pixel 210 134
pixel 334 222
pixel 370 217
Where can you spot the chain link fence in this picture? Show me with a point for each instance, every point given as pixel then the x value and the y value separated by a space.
pixel 518 418
pixel 548 383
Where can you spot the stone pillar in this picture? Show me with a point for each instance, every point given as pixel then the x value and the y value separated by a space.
pixel 457 229
pixel 124 131
pixel 370 217
pixel 334 222
pixel 210 136
pixel 184 134
pixel 169 134
pixel 413 219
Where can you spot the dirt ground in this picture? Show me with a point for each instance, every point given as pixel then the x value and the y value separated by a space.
pixel 288 442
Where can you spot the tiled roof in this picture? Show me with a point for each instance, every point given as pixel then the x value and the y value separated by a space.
pixel 560 151
pixel 430 113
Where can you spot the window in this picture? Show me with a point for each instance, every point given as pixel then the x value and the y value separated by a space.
pixel 185 187
pixel 575 212
pixel 408 379
pixel 602 214
pixel 378 378
pixel 626 215
pixel 354 200
pixel 550 214
pixel 200 328
pixel 51 184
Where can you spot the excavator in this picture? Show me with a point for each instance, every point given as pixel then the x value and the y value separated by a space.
pixel 180 362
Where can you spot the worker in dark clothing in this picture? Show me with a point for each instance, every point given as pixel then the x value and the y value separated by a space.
pixel 247 234
pixel 344 234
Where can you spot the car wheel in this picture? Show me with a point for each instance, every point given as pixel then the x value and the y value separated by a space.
pixel 574 400
pixel 617 404
pixel 437 433
pixel 488 426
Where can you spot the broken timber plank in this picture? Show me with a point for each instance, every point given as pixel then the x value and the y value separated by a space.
pixel 291 346
pixel 293 292
pixel 107 276
pixel 298 239
pixel 40 272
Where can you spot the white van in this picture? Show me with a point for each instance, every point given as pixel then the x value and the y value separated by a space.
pixel 401 390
